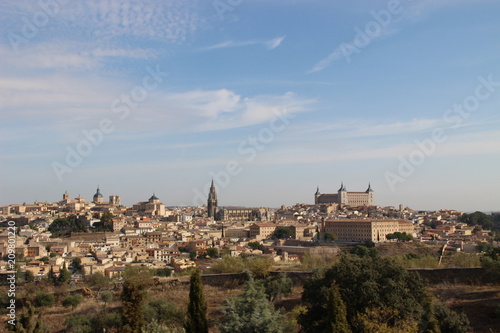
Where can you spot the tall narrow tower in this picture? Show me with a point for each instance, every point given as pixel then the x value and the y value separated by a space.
pixel 212 202
pixel 342 194
pixel 316 196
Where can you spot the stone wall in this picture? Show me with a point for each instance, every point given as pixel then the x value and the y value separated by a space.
pixel 432 276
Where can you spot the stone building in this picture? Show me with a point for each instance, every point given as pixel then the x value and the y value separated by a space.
pixel 366 229
pixel 343 197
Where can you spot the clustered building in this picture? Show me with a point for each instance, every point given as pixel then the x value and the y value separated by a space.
pixel 148 233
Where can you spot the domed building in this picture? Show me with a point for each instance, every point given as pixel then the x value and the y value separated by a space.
pixel 152 207
pixel 98 197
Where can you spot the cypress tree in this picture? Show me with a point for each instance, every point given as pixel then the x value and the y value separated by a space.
pixel 337 312
pixel 51 275
pixel 30 321
pixel 133 299
pixel 197 308
pixel 64 275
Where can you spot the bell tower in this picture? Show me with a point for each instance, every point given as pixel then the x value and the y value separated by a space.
pixel 212 202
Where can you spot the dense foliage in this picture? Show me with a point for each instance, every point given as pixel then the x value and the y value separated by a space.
pixel 259 266
pixel 281 233
pixel 371 288
pixel 64 227
pixel 491 263
pixel 400 236
pixel 134 293
pixel 251 311
pixel 479 218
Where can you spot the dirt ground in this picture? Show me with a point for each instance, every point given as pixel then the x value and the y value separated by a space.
pixel 481 304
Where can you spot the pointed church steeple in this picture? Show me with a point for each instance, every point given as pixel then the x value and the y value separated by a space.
pixel 212 202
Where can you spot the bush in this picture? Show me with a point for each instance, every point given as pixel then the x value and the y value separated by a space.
pixel 163 272
pixel 164 312
pixel 44 299
pixel 107 297
pixel 276 286
pixel 250 311
pixel 451 321
pixel 364 282
pixel 78 324
pixel 73 301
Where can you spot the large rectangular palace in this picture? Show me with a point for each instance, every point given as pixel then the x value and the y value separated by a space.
pixel 343 197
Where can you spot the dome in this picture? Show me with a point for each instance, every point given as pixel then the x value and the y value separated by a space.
pixel 98 193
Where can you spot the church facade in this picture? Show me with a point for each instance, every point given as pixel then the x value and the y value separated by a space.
pixel 343 197
pixel 233 214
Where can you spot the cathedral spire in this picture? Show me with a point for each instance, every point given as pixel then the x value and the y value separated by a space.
pixel 212 201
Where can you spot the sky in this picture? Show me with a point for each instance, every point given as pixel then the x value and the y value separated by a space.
pixel 269 98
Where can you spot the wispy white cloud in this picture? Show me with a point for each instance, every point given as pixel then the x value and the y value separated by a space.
pixel 168 21
pixel 270 44
pixel 209 110
pixel 411 13
pixel 346 50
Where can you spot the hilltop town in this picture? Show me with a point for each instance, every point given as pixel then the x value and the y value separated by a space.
pixel 106 236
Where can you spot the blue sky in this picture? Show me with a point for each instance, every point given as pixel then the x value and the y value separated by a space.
pixel 272 98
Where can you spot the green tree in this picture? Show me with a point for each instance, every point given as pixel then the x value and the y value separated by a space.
pixel 164 312
pixel 64 275
pixel 45 260
pixel 78 324
pixel 363 251
pixel 44 299
pixel 336 311
pixel 478 218
pixel 281 233
pixel 229 264
pixel 276 286
pixel 97 280
pixel 106 297
pixel 136 281
pixel 491 263
pixel 107 221
pixel 484 247
pixel 163 272
pixel 107 322
pixel 451 321
pixel 380 320
pixel 330 237
pixel 77 263
pixel 64 227
pixel 51 276
pixel 73 301
pixel 254 245
pixel 364 282
pixel 197 308
pixel 259 266
pixel 251 311
pixel 213 252
pixel 192 255
pixel 29 276
pixel 30 321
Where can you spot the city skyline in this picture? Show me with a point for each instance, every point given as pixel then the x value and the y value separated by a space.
pixel 269 98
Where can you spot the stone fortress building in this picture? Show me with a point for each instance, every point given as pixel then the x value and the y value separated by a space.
pixel 343 197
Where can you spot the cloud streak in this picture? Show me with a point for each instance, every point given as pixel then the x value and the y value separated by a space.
pixel 270 44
